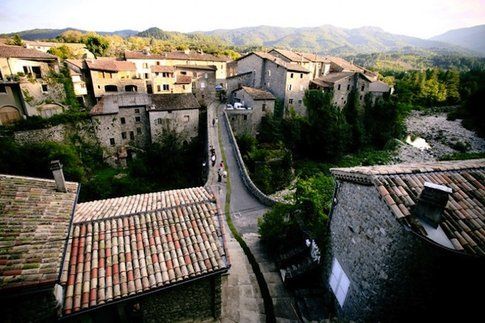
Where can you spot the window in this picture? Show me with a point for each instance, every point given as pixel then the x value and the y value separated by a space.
pixel 158 62
pixel 186 118
pixel 145 65
pixel 159 121
pixel 159 88
pixel 36 72
pixel 110 88
pixel 164 74
pixel 338 88
pixel 146 75
pixel 269 72
pixel 206 75
pixel 26 69
pixel 339 282
pixel 183 73
pixel 138 131
pixel 348 87
pixel 1 76
pixel 137 119
pixel 268 84
pixel 245 117
pixel 361 97
pixel 112 141
pixel 166 87
pixel 132 135
pixel 300 102
pixel 45 88
pixel 123 120
pixel 194 74
pixel 290 101
pixel 137 110
pixel 202 85
pixel 301 75
pixel 291 75
pixel 362 87
pixel 123 135
pixel 3 88
pixel 289 87
pixel 264 107
pixel 183 87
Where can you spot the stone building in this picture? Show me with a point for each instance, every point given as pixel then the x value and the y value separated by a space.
pixel 35 222
pixel 109 75
pixel 154 257
pixel 174 112
pixel 27 86
pixel 256 104
pixel 126 122
pixel 144 60
pixel 286 81
pixel 406 242
pixel 203 81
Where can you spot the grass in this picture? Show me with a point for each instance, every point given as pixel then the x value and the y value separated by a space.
pixel 463 156
pixel 267 300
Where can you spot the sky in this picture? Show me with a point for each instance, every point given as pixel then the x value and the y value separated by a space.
pixel 419 18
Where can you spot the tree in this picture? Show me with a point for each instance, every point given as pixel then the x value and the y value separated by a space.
pixel 63 52
pixel 16 40
pixel 354 117
pixel 96 44
pixel 452 81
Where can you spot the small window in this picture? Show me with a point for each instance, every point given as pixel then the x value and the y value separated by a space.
pixel 301 75
pixel 290 101
pixel 194 74
pixel 159 88
pixel 137 119
pixel 112 141
pixel 145 65
pixel 183 73
pixel 159 121
pixel 158 62
pixel 362 87
pixel 146 75
pixel 123 120
pixel 289 87
pixel 3 88
pixel 202 85
pixel 206 75
pixel 166 87
pixel 137 110
pixel 361 97
pixel 339 282
pixel 123 135
pixel 45 88
pixel 348 87
pixel 132 135
pixel 291 75
pixel 269 72
pixel 183 87
pixel 138 131
pixel 26 70
pixel 338 88
pixel 186 118
pixel 245 117
pixel 268 84
pixel 300 102
pixel 264 106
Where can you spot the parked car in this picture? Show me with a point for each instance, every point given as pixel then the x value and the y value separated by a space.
pixel 229 106
pixel 238 105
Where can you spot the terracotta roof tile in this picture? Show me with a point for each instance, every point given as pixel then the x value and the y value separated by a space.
pixel 278 61
pixel 129 245
pixel 183 56
pixel 34 222
pixel 401 185
pixel 258 94
pixel 21 52
pixel 110 65
pixel 162 69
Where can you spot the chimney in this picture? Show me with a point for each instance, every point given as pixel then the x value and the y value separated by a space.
pixel 431 203
pixel 56 168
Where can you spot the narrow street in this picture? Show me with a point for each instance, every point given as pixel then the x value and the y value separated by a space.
pixel 241 296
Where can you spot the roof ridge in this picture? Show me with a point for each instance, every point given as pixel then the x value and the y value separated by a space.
pixel 122 216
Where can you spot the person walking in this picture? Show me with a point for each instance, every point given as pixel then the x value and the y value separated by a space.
pixel 213 159
pixel 219 175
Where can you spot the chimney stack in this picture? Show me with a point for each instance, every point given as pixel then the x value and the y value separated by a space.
pixel 431 203
pixel 56 168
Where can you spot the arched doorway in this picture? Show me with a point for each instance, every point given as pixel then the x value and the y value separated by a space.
pixel 9 114
pixel 131 88
pixel 50 109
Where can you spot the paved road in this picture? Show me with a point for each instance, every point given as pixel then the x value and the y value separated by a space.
pixel 245 211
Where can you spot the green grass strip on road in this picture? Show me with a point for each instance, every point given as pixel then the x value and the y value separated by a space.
pixel 267 300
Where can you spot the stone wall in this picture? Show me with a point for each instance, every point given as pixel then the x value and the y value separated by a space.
pixel 183 122
pixel 250 186
pixel 193 301
pixel 294 97
pixel 234 82
pixel 394 274
pixel 56 133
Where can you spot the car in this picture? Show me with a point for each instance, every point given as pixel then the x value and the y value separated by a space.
pixel 229 106
pixel 238 105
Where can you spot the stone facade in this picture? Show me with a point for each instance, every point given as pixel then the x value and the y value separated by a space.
pixel 234 82
pixel 184 122
pixel 56 133
pixel 394 274
pixel 203 82
pixel 11 103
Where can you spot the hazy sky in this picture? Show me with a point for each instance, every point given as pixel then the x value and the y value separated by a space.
pixel 421 18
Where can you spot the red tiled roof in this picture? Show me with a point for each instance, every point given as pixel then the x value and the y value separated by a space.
pixel 21 52
pixel 110 65
pixel 191 56
pixel 130 245
pixel 290 55
pixel 400 186
pixel 34 223
pixel 162 69
pixel 258 94
pixel 197 67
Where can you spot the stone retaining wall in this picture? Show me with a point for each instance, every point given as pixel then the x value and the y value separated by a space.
pixel 56 133
pixel 250 186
